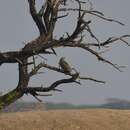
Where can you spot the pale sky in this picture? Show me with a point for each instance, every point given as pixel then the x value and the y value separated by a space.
pixel 16 27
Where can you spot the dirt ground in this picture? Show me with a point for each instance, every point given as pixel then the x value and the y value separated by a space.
pixel 89 119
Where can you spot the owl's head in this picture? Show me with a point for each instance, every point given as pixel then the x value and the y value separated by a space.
pixel 62 58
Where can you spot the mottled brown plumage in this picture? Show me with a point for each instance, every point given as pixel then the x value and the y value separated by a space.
pixel 64 65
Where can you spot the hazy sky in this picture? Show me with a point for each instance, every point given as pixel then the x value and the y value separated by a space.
pixel 16 27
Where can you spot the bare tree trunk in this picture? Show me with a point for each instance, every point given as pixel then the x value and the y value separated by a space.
pixel 10 97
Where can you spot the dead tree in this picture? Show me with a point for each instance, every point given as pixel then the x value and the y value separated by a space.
pixel 45 19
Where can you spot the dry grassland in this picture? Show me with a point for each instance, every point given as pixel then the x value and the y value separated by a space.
pixel 89 119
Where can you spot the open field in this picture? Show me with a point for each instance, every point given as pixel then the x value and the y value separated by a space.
pixel 89 119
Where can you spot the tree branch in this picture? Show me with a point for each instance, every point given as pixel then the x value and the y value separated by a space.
pixel 36 17
pixel 34 90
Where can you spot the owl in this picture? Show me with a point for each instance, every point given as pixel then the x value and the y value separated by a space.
pixel 64 65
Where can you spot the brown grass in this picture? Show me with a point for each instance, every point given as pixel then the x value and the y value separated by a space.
pixel 90 119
